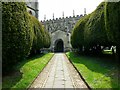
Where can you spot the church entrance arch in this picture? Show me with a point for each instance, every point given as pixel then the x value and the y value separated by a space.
pixel 59 46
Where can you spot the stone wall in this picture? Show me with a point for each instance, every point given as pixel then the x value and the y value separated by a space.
pixel 63 24
pixel 61 28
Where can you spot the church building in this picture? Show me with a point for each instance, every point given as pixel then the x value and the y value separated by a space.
pixel 60 31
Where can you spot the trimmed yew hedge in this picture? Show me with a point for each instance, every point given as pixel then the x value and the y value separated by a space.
pixel 47 39
pixel 112 21
pixel 21 33
pixel 101 28
pixel 78 32
pixel 38 34
pixel 90 30
pixel 112 24
pixel 95 32
pixel 41 37
pixel 16 33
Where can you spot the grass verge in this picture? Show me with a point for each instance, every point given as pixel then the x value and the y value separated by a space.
pixel 97 72
pixel 26 71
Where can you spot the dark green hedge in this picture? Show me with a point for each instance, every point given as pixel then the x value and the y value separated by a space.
pixel 112 19
pixel 77 36
pixel 21 34
pixel 90 30
pixel 101 28
pixel 37 34
pixel 41 38
pixel 112 24
pixel 95 33
pixel 16 33
pixel 47 39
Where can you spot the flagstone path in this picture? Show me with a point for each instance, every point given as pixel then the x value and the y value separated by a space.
pixel 59 73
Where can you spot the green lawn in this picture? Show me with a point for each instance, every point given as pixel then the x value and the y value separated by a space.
pixel 97 72
pixel 26 71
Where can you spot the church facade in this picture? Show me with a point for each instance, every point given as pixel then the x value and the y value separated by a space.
pixel 60 31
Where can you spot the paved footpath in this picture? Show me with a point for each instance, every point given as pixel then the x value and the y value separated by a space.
pixel 59 73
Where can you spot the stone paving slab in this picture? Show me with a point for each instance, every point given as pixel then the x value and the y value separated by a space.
pixel 40 80
pixel 59 73
pixel 76 79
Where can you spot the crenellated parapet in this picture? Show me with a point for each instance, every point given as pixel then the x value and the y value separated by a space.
pixel 64 18
pixel 65 24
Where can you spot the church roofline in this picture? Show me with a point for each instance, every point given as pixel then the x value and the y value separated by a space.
pixel 60 30
pixel 60 18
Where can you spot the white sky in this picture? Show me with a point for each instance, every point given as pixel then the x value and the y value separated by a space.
pixel 48 7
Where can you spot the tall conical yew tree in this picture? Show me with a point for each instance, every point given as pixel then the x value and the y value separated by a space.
pixel 41 37
pixel 95 33
pixel 16 34
pixel 77 36
pixel 112 23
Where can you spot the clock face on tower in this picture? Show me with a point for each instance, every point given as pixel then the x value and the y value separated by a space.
pixel 32 8
pixel 30 12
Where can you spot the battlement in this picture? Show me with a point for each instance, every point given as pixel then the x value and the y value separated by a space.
pixel 64 24
pixel 63 18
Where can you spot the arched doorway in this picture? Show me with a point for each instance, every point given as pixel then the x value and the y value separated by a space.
pixel 59 46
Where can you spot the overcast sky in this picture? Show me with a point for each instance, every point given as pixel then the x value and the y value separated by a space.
pixel 48 7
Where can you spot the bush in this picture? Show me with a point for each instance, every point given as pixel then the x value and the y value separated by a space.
pixel 37 35
pixel 16 34
pixel 90 31
pixel 112 17
pixel 47 39
pixel 41 36
pixel 95 33
pixel 112 23
pixel 100 29
pixel 77 36
pixel 95 27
